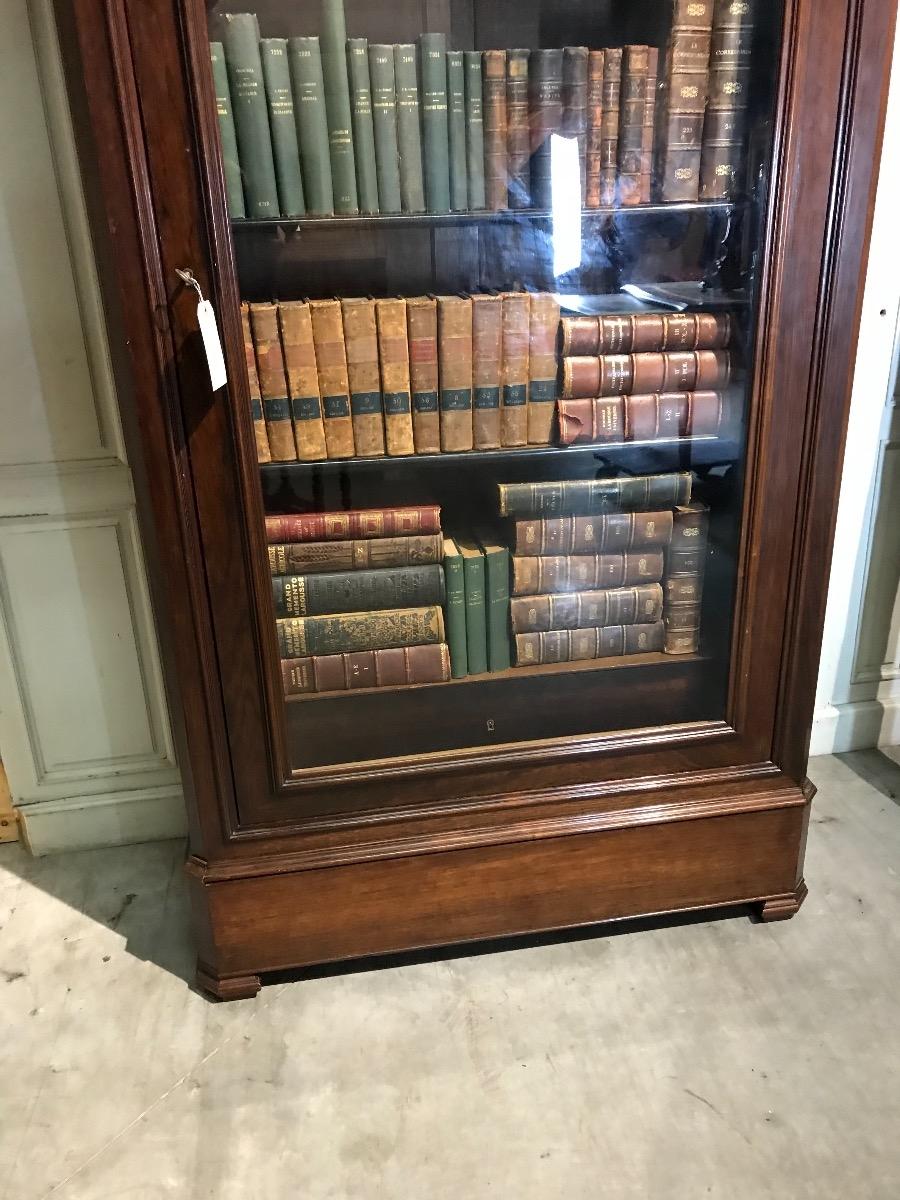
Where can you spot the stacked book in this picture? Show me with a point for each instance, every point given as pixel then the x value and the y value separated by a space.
pixel 600 567
pixel 364 378
pixel 643 377
pixel 359 598
pixel 477 610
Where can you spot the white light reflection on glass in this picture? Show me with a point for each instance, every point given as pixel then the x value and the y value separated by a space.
pixel 565 175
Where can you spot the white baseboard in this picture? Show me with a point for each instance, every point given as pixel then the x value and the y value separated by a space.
pixel 839 728
pixel 112 819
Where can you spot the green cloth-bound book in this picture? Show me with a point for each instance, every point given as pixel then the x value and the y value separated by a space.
pixel 496 564
pixel 475 129
pixel 456 104
pixel 409 135
pixel 240 38
pixel 455 609
pixel 476 611
pixel 384 116
pixel 363 131
pixel 283 126
pixel 337 107
pixel 312 123
pixel 234 189
pixel 435 126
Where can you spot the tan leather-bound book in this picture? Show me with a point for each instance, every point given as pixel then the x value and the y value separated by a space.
pixel 495 128
pixel 543 367
pixel 584 572
pixel 573 645
pixel 604 533
pixel 263 453
pixel 400 667
pixel 334 383
pixel 581 610
pixel 273 382
pixel 455 360
pixel 487 365
pixel 421 319
pixel 303 379
pixel 514 377
pixel 645 374
pixel 393 345
pixel 364 377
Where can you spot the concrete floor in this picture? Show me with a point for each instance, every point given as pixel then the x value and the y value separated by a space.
pixel 719 1059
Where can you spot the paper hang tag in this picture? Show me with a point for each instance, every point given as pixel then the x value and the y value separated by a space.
pixel 209 330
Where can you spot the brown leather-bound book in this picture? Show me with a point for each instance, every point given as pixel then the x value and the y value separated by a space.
pixel 648 133
pixel 574 645
pixel 356 554
pixel 518 139
pixel 685 565
pixel 641 333
pixel 581 497
pixel 609 142
pixel 455 369
pixel 545 103
pixel 603 534
pixel 303 379
pixel 632 103
pixel 580 610
pixel 487 364
pixel 334 382
pixel 543 367
pixel 514 388
pixel 263 453
pixel 641 418
pixel 299 637
pixel 354 523
pixel 596 64
pixel 421 317
pixel 273 382
pixel 575 104
pixel 729 95
pixel 682 107
pixel 584 572
pixel 399 667
pixel 645 374
pixel 495 128
pixel 393 344
pixel 364 377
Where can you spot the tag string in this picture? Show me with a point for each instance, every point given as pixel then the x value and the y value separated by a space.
pixel 187 278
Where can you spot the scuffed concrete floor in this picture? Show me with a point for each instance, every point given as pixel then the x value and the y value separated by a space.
pixel 717 1059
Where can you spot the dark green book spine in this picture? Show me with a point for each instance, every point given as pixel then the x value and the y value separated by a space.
pixel 455 609
pixel 337 107
pixel 283 126
pixel 231 163
pixel 476 612
pixel 343 633
pixel 496 561
pixel 357 591
pixel 475 129
pixel 409 132
pixel 384 116
pixel 363 128
pixel 312 123
pixel 456 104
pixel 240 39
pixel 435 124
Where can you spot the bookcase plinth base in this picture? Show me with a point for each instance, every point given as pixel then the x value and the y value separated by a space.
pixel 782 908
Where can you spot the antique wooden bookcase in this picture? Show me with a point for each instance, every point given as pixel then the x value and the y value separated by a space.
pixel 338 825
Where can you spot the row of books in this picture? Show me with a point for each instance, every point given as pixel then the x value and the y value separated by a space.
pixel 364 378
pixel 336 125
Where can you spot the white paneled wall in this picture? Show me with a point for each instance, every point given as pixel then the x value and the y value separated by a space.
pixel 84 731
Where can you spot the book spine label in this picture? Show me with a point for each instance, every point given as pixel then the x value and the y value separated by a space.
pixel 356 523
pixel 585 497
pixel 337 107
pixel 495 129
pixel 456 117
pixel 542 367
pixel 643 374
pixel 514 379
pixel 455 358
pixel 573 645
pixel 283 126
pixel 423 370
pixel 334 382
pixel 583 572
pixel 496 569
pixel 273 382
pixel 357 591
pixel 363 126
pixel 435 122
pixel 263 453
pixel 402 666
pixel 234 189
pixel 635 68
pixel 358 554
pixel 641 605
pixel 487 367
pixel 575 105
pixel 295 324
pixel 251 119
pixel 474 123
pixel 596 62
pixel 476 614
pixel 455 609
pixel 308 87
pixel 393 344
pixel 349 632
pixel 409 136
pixel 606 533
pixel 545 104
pixel 384 116
pixel 609 127
pixel 518 138
pixel 364 377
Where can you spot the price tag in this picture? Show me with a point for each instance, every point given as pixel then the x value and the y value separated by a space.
pixel 209 330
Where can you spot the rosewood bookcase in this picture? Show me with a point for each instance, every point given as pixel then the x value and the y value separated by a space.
pixel 685 186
